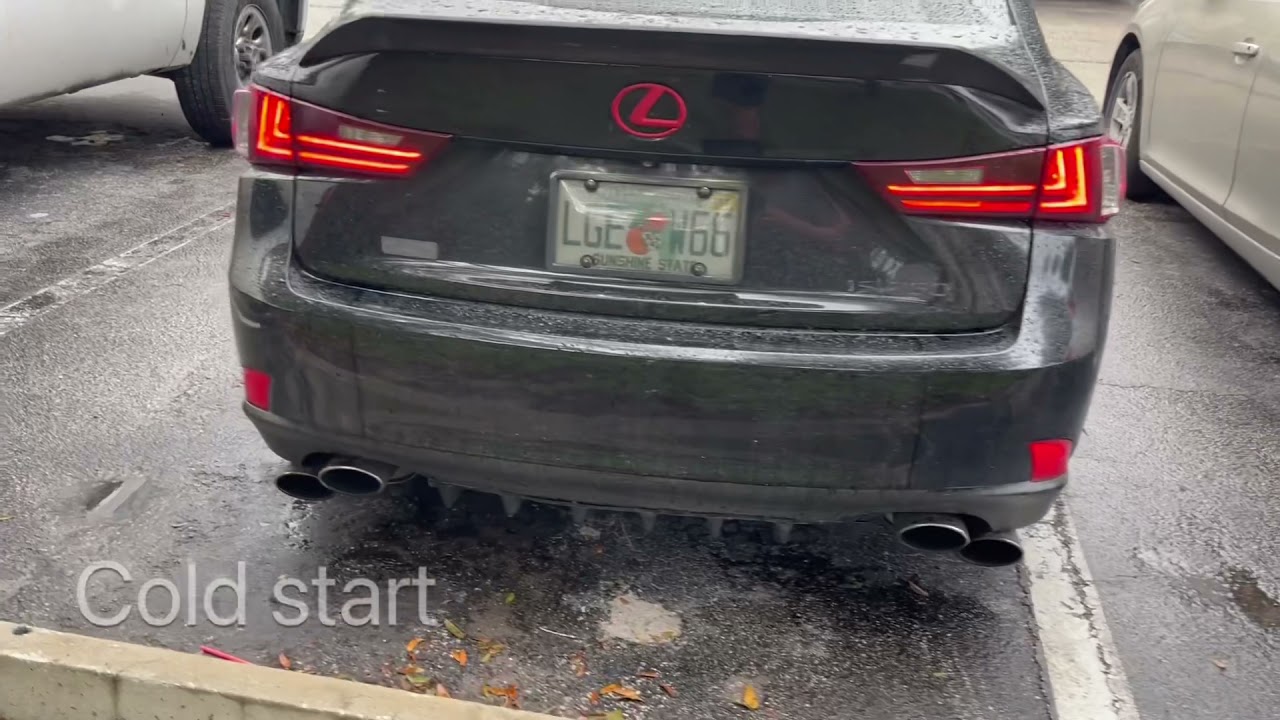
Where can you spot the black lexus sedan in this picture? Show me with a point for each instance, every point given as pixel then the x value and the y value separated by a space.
pixel 749 261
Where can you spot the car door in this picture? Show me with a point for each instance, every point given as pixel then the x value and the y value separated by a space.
pixel 1254 204
pixel 49 47
pixel 1200 93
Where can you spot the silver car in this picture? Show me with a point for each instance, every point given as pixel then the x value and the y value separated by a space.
pixel 207 47
pixel 1194 96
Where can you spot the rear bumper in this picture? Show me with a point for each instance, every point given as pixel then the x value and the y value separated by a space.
pixel 615 412
pixel 1005 506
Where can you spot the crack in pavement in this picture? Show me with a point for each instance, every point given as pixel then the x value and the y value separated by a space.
pixel 1167 388
pixel 1084 669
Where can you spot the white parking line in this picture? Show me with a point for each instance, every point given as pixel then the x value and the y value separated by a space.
pixel 22 311
pixel 1085 674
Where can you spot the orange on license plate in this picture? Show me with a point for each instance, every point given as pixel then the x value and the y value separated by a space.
pixel 669 228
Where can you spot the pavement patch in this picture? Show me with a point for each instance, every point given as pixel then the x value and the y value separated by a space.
pixel 96 138
pixel 637 621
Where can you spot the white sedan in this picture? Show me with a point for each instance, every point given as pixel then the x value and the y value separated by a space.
pixel 208 47
pixel 1194 97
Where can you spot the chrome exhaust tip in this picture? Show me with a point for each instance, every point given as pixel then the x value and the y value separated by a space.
pixel 993 550
pixel 931 533
pixel 353 476
pixel 302 485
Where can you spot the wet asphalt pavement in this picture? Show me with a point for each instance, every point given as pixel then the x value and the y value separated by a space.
pixel 121 440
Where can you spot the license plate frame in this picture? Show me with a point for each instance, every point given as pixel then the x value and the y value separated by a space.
pixel 737 261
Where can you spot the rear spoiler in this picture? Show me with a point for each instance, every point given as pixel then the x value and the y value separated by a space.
pixel 809 56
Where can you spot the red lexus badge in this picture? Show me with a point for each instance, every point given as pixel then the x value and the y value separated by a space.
pixel 649 111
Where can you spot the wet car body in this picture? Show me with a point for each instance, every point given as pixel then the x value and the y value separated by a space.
pixel 856 355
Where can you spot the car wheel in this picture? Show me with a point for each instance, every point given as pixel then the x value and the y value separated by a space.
pixel 1123 114
pixel 236 36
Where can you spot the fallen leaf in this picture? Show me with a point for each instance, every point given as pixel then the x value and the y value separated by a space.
pixel 750 699
pixel 614 715
pixel 941 675
pixel 917 589
pixel 454 630
pixel 510 695
pixel 649 674
pixel 460 656
pixel 1221 664
pixel 491 649
pixel 442 691
pixel 510 599
pixel 6 518
pixel 413 645
pixel 418 681
pixel 285 662
pixel 619 691
pixel 670 691
pixel 579 663
pixel 593 698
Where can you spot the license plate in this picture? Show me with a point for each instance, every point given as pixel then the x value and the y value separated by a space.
pixel 669 228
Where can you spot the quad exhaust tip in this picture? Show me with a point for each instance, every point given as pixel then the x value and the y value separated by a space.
pixel 302 484
pixel 353 476
pixel 931 533
pixel 993 550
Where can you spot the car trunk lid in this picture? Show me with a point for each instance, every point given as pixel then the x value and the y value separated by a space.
pixel 667 166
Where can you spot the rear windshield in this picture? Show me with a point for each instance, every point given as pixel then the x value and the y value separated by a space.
pixel 948 12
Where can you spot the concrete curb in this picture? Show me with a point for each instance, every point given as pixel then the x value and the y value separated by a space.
pixel 47 675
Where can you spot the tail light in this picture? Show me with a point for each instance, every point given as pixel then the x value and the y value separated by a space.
pixel 1074 182
pixel 271 129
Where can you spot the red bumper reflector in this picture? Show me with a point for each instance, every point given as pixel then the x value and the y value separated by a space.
pixel 257 388
pixel 1049 459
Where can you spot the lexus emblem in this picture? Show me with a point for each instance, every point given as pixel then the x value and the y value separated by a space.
pixel 649 111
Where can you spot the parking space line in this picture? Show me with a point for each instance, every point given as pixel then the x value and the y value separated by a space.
pixel 1085 674
pixel 24 310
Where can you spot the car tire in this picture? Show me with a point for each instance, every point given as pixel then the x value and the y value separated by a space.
pixel 206 86
pixel 1124 99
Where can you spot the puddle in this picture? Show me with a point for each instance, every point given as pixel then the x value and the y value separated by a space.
pixel 1262 609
